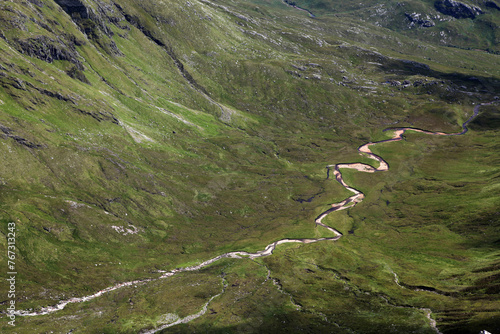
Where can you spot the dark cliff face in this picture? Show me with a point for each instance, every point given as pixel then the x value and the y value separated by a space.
pixel 48 49
pixel 73 7
pixel 492 4
pixel 93 23
pixel 457 9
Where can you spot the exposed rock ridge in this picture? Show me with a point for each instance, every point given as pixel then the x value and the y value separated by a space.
pixel 457 9
pixel 8 82
pixel 136 22
pixel 73 7
pixel 7 133
pixel 92 23
pixel 180 66
pixel 48 50
pixel 416 19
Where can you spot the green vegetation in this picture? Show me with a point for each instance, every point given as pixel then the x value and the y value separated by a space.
pixel 419 19
pixel 141 136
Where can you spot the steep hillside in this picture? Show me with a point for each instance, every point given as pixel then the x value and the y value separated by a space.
pixel 142 136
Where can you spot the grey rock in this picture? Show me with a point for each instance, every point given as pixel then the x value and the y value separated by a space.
pixel 416 19
pixel 74 7
pixel 457 9
pixel 48 50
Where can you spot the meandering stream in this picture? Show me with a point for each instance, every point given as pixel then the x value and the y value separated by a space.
pixel 349 202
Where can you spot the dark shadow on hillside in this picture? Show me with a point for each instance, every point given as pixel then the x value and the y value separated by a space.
pixel 287 324
pixel 488 119
pixel 468 326
pixel 482 84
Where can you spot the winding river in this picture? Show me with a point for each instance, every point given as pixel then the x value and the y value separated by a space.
pixel 349 202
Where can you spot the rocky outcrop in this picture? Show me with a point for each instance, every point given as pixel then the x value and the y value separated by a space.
pixel 417 19
pixel 457 9
pixel 492 4
pixel 136 22
pixel 99 115
pixel 5 132
pixel 74 8
pixel 18 88
pixel 47 49
pixel 94 23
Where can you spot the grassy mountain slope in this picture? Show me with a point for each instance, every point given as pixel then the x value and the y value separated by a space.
pixel 140 136
pixel 462 24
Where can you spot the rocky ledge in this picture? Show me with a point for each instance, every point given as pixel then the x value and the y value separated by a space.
pixel 417 19
pixel 457 9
